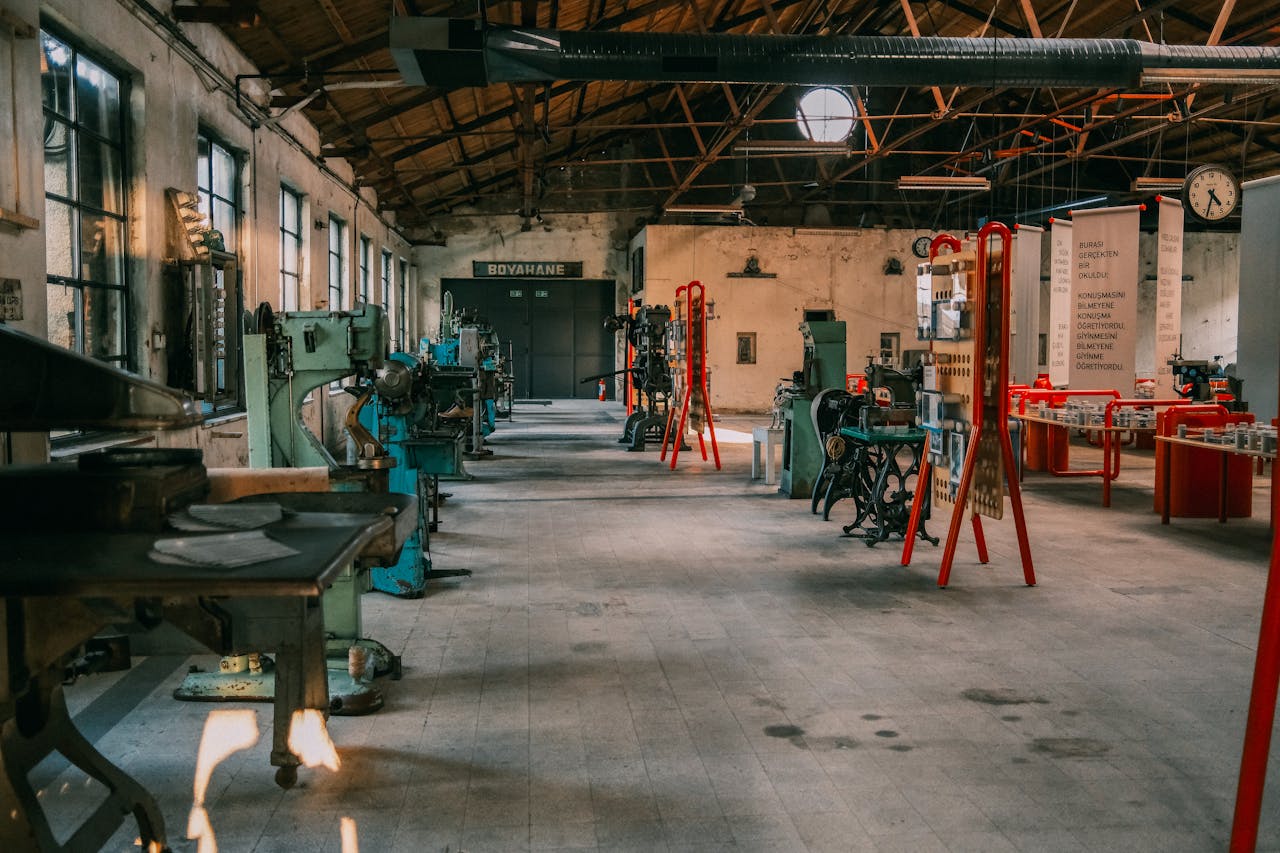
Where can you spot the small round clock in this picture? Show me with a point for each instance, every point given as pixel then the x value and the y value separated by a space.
pixel 1211 193
pixel 920 246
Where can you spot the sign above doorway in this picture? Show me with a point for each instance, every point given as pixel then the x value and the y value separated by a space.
pixel 526 269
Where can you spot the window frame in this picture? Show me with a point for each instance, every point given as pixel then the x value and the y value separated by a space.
pixel 402 332
pixel 338 237
pixel 77 207
pixel 387 275
pixel 237 159
pixel 366 268
pixel 284 234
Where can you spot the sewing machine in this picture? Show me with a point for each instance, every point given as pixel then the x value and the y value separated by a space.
pixel 81 551
pixel 1207 382
pixel 292 355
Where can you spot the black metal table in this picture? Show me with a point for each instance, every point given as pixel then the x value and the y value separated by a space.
pixel 59 589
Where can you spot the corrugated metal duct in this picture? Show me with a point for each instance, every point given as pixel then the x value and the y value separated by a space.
pixel 452 53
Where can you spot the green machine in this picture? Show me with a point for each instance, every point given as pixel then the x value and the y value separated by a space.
pixel 824 367
pixel 292 355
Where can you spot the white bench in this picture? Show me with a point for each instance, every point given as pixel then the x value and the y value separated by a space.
pixel 769 437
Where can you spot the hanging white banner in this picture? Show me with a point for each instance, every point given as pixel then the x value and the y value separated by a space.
pixel 1059 302
pixel 1168 294
pixel 1104 298
pixel 1024 314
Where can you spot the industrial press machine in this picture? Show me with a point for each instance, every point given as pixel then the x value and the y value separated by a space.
pixel 405 418
pixel 648 373
pixel 823 367
pixel 293 355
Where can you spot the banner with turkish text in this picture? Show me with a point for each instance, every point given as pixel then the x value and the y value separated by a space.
pixel 1168 294
pixel 1104 298
pixel 1059 302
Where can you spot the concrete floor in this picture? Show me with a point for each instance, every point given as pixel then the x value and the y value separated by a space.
pixel 649 660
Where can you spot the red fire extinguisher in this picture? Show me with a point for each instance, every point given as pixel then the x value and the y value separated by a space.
pixel 600 390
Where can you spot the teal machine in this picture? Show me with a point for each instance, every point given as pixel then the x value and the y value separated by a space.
pixel 404 418
pixel 468 347
pixel 824 367
pixel 292 355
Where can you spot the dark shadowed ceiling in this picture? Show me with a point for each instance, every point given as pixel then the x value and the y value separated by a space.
pixel 534 149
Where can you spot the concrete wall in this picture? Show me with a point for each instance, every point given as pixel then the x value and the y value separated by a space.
pixel 1259 284
pixel 175 91
pixel 1209 298
pixel 816 269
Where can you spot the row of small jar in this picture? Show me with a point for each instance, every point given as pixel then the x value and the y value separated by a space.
pixel 1257 437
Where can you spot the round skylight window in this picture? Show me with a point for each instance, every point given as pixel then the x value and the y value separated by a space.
pixel 825 114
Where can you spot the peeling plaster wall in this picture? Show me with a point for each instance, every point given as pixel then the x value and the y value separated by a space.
pixel 598 240
pixel 170 100
pixel 22 191
pixel 816 269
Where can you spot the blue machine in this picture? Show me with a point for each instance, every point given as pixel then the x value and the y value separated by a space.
pixel 404 418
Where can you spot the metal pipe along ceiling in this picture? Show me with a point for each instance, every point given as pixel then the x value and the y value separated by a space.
pixel 454 52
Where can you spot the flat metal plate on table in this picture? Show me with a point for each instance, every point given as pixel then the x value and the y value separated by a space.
pixel 109 565
pixel 309 510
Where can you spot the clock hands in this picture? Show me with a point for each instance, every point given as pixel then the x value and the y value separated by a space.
pixel 1213 199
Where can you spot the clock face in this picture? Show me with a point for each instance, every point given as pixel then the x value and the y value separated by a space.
pixel 1211 193
pixel 920 247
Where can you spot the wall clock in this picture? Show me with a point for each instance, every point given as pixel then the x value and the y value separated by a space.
pixel 1211 193
pixel 920 247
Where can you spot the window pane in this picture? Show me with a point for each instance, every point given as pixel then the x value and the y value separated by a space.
pixel 103 322
pixel 203 180
pixel 205 204
pixel 60 308
pixel 335 236
pixel 288 211
pixel 57 158
pixel 224 173
pixel 97 98
pixel 224 219
pixel 59 226
pixel 289 292
pixel 99 168
pixel 101 249
pixel 289 254
pixel 55 75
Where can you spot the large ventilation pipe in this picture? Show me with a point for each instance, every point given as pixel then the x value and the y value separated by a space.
pixel 453 52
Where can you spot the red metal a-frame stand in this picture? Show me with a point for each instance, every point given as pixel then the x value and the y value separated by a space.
pixel 986 337
pixel 695 344
pixel 1262 706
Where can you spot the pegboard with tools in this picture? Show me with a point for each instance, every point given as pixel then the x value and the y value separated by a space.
pixel 945 317
pixel 962 309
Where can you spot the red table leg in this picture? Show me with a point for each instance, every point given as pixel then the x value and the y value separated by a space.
pixel 1222 488
pixel 1106 468
pixel 1166 490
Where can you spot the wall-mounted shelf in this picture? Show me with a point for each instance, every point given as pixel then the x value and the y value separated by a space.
pixel 18 220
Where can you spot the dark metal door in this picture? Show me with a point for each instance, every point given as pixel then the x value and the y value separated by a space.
pixel 555 327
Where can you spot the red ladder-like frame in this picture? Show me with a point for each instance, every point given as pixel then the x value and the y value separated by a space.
pixel 693 385
pixel 1002 420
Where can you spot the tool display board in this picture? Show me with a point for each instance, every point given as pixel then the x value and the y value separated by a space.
pixel 977 300
pixel 954 279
